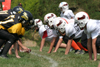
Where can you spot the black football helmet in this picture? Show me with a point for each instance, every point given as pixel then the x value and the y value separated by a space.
pixel 30 25
pixel 25 18
pixel 31 22
pixel 17 10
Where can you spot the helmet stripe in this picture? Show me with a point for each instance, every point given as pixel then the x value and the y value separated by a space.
pixel 80 18
pixel 59 23
pixel 65 20
pixel 50 16
pixel 65 4
pixel 88 15
pixel 38 21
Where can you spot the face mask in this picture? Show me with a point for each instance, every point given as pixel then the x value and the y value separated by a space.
pixel 37 30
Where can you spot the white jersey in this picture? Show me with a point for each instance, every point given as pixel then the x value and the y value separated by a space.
pixel 67 14
pixel 92 29
pixel 68 21
pixel 73 29
pixel 50 33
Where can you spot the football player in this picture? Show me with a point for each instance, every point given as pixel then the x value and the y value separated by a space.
pixel 91 28
pixel 65 11
pixel 46 34
pixel 13 30
pixel 73 32
pixel 50 19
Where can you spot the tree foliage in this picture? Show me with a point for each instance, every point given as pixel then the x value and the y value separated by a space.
pixel 39 8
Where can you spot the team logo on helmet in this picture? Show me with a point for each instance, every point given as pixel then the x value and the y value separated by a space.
pixel 20 10
pixel 25 16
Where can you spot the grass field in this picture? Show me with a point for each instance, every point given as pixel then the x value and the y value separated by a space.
pixel 43 59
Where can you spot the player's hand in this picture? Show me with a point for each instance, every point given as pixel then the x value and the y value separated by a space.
pixel 54 51
pixel 40 50
pixel 48 52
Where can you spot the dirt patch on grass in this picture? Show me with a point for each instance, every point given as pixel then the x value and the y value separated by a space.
pixel 29 43
pixel 36 36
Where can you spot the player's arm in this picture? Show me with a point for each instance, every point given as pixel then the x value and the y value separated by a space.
pixel 94 48
pixel 92 42
pixel 69 44
pixel 42 44
pixel 43 40
pixel 16 50
pixel 72 15
pixel 89 46
pixel 7 21
pixel 52 44
pixel 58 44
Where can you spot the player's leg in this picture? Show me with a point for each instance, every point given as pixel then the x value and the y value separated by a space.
pixel 10 40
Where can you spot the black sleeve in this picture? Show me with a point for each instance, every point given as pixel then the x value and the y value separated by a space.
pixel 4 16
pixel 20 36
pixel 71 37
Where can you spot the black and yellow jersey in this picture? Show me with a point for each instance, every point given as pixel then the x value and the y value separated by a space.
pixel 4 14
pixel 13 26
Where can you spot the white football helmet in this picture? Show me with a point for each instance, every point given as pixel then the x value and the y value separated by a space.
pixel 38 22
pixel 60 24
pixel 63 6
pixel 48 18
pixel 81 18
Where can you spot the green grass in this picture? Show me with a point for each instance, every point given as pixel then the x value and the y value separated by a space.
pixel 43 59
